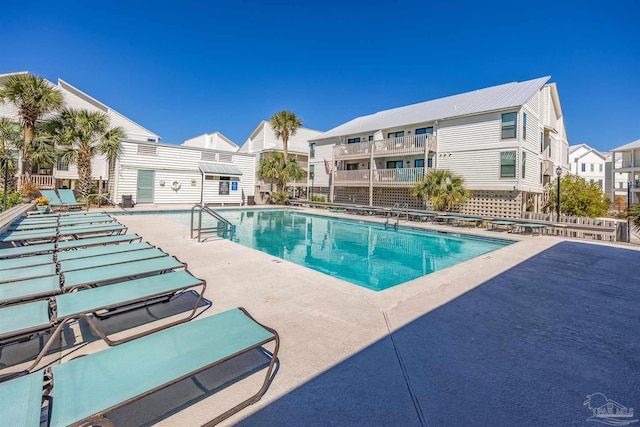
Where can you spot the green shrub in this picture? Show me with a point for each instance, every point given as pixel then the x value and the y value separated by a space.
pixel 317 198
pixel 13 199
pixel 279 198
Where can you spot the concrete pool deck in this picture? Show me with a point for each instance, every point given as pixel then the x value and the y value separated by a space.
pixel 351 356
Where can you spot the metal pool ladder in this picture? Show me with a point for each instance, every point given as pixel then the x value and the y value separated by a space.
pixel 227 228
pixel 397 210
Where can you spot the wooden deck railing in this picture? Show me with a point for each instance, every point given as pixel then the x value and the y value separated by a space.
pixel 405 145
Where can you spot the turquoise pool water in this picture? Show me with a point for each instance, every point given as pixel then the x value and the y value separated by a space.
pixel 359 252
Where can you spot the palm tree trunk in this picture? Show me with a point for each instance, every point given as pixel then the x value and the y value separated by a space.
pixel 84 172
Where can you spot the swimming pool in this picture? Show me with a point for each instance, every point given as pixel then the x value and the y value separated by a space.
pixel 359 252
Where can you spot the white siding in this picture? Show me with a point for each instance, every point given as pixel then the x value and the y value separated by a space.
pixel 324 152
pixel 175 163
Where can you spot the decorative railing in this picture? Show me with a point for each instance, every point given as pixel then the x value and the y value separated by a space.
pixel 383 177
pixel 411 144
pixel 43 182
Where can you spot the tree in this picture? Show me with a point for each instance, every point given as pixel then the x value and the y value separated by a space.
pixel 81 134
pixel 578 197
pixel 284 125
pixel 10 137
pixel 442 188
pixel 33 97
pixel 272 167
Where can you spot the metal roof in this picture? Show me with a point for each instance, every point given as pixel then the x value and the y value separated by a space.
pixel 629 146
pixel 482 100
pixel 219 169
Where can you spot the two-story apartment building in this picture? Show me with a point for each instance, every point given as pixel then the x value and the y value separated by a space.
pixel 615 183
pixel 630 166
pixel 587 163
pixel 506 142
pixel 263 140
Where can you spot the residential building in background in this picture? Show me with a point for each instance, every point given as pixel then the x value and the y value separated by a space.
pixel 506 142
pixel 263 140
pixel 212 141
pixel 629 165
pixel 615 183
pixel 587 163
pixel 63 175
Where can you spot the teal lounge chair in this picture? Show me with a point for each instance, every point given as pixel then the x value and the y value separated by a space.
pixel 19 322
pixel 101 250
pixel 83 392
pixel 113 259
pixel 27 261
pixel 27 250
pixel 76 231
pixel 97 241
pixel 68 198
pixel 27 272
pixel 108 274
pixel 27 237
pixel 55 202
pixel 29 289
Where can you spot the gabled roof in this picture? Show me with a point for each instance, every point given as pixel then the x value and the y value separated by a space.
pixel 493 98
pixel 629 146
pixel 574 148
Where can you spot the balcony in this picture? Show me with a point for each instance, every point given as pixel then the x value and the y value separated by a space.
pixel 42 182
pixel 405 145
pixel 401 177
pixel 548 168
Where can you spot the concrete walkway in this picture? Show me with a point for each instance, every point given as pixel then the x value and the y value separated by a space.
pixel 351 356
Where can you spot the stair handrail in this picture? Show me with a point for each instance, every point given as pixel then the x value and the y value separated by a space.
pixel 228 226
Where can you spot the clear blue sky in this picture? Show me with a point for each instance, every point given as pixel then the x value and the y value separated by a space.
pixel 182 70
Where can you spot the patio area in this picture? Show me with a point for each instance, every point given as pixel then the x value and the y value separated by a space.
pixel 519 336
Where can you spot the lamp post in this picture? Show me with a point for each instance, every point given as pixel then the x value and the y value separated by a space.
pixel 558 173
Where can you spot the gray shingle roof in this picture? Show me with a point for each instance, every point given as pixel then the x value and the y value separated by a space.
pixel 482 100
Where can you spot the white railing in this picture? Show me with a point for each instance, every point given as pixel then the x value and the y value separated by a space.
pixel 411 144
pixel 385 177
pixel 352 177
pixel 42 182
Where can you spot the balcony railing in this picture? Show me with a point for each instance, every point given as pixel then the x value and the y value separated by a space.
pixel 42 182
pixel 381 177
pixel 411 144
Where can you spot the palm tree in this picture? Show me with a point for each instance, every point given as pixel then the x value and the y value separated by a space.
pixel 33 97
pixel 10 135
pixel 273 167
pixel 284 125
pixel 81 134
pixel 442 188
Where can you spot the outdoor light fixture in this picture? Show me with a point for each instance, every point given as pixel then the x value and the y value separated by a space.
pixel 558 172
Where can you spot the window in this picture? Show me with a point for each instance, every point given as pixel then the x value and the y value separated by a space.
pixel 312 150
pixel 370 137
pixel 394 164
pixel 353 140
pixel 524 126
pixel 312 169
pixel 509 123
pixel 508 164
pixel 583 167
pixel 151 140
pixel 428 130
pixel 430 162
pixel 395 134
pixel 419 163
pixel 549 146
pixel 600 183
pixel 352 166
pixel 524 164
pixel 62 165
pixel 593 167
pixel 600 167
pixel 541 142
